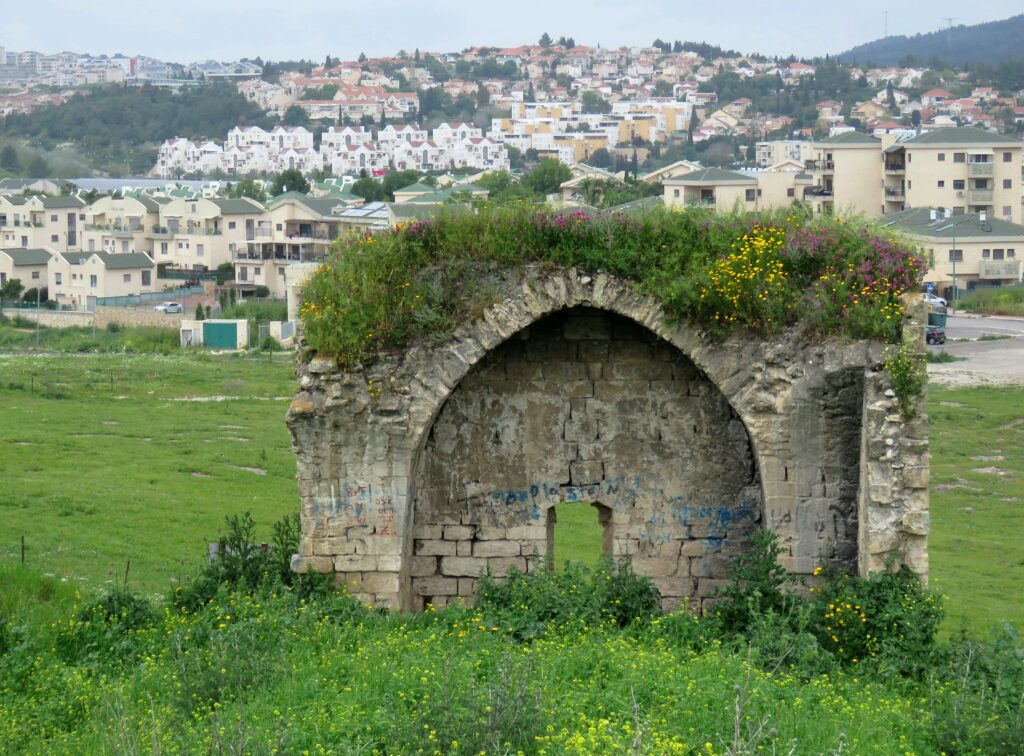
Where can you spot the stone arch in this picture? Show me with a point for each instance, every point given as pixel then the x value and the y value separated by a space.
pixel 359 436
pixel 582 405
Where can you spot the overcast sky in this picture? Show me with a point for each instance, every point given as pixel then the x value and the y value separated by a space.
pixel 189 30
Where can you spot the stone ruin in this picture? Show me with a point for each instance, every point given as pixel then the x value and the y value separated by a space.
pixel 432 465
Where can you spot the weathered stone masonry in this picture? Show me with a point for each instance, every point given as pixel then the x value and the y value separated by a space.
pixel 432 465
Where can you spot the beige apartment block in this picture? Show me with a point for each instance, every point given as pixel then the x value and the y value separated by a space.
pixel 78 277
pixel 122 224
pixel 26 265
pixel 38 221
pixel 847 175
pixel 294 229
pixel 198 234
pixel 975 248
pixel 967 170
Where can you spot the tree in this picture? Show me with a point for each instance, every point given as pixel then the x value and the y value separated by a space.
pixel 600 158
pixel 37 167
pixel 361 58
pixel 250 188
pixel 290 180
pixel 545 40
pixel 9 159
pixel 592 102
pixel 295 116
pixel 200 314
pixel 11 289
pixel 369 189
pixel 547 176
pixel 483 96
pixel 662 88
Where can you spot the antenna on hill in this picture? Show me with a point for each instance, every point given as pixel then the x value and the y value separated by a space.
pixel 949 29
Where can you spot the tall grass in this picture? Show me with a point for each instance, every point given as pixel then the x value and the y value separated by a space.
pixel 998 300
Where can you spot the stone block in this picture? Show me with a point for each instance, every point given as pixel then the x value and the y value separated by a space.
pixel 587 328
pixel 593 351
pixel 706 587
pixel 585 473
pixel 694 549
pixel 380 582
pixel 655 566
pixel 565 371
pixel 390 562
pixel 467 586
pixel 427 532
pixel 915 477
pixel 422 566
pixel 353 581
pixel 355 563
pixel 499 566
pixel 435 586
pixel 457 532
pixel 524 371
pixel 301 563
pixel 435 548
pixel 917 523
pixel 529 547
pixel 676 585
pixel 496 548
pixel 464 548
pixel 625 546
pixel 491 533
pixel 527 532
pixel 462 566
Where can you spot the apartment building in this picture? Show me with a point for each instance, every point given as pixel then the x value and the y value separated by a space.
pixel 198 234
pixel 714 188
pixel 77 279
pixel 293 229
pixel 972 248
pixel 28 266
pixel 846 170
pixel 122 224
pixel 967 170
pixel 38 221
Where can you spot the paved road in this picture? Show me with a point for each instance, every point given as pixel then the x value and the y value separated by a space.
pixel 985 362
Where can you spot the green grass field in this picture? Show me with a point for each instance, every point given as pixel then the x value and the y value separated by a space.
pixel 111 459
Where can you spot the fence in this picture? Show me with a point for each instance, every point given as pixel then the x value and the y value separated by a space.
pixel 219 276
pixel 153 296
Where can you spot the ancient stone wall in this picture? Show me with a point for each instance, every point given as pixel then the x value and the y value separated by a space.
pixel 431 465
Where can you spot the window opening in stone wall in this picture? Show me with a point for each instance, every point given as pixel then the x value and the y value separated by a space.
pixel 580 532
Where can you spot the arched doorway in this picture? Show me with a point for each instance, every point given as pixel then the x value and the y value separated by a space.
pixel 582 405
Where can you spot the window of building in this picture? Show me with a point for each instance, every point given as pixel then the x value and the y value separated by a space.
pixel 92 281
pixel 959 157
pixel 279 226
pixel 1007 157
pixel 998 254
pixel 199 250
pixel 231 224
pixel 910 183
pixel 243 273
pixel 280 272
pixel 1007 183
pixel 942 157
pixel 958 210
pixel 35 274
pixel 791 192
pixel 163 248
pixel 986 253
pixel 256 272
pixel 1007 211
pixel 750 195
pixel 956 255
pixel 127 277
pixel 53 219
pixel 675 192
pixel 958 183
pixel 941 184
pixel 54 238
pixel 147 277
pixel 1011 253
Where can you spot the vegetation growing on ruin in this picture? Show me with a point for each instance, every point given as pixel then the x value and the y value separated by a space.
pixel 763 272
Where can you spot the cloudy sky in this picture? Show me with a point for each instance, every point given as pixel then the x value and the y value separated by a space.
pixel 189 30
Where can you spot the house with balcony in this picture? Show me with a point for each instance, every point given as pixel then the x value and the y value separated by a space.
pixel 973 248
pixel 420 156
pixel 294 229
pixel 197 233
pixel 38 221
pixel 121 224
pixel 714 188
pixel 846 173
pixel 78 279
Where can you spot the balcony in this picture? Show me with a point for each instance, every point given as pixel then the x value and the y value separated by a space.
pixel 895 169
pixel 981 196
pixel 820 166
pixel 979 170
pixel 895 194
pixel 817 191
pixel 1008 270
pixel 160 232
pixel 126 232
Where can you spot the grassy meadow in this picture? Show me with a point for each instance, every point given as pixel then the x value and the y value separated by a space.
pixel 116 458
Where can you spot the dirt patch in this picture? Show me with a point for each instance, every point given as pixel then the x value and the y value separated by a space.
pixel 254 470
pixel 989 470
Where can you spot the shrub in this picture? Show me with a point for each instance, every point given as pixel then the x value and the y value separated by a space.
pixel 906 370
pixel 113 327
pixel 528 606
pixel 111 628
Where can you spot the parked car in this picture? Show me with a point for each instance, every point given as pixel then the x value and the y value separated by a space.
pixel 934 334
pixel 169 307
pixel 934 300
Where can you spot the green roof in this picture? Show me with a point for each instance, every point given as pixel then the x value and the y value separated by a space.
pixel 55 202
pixel 28 256
pixel 851 137
pixel 237 206
pixel 964 135
pixel 76 257
pixel 149 203
pixel 435 198
pixel 417 187
pixel 711 176
pixel 918 222
pixel 287 195
pixel 116 261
